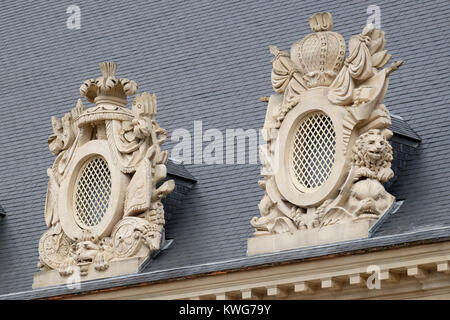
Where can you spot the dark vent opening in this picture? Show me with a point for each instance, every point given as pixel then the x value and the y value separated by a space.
pixel 405 146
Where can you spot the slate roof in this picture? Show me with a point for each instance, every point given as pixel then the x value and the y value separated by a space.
pixel 178 169
pixel 206 61
pixel 401 128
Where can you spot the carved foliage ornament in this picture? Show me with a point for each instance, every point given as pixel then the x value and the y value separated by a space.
pixel 327 151
pixel 103 203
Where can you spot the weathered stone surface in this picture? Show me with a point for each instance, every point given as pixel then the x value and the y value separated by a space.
pixel 103 207
pixel 327 151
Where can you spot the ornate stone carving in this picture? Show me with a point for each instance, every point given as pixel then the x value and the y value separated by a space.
pixel 103 203
pixel 63 136
pixel 372 155
pixel 327 151
pixel 367 200
pixel 54 248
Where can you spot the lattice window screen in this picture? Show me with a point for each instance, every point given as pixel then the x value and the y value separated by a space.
pixel 313 149
pixel 92 192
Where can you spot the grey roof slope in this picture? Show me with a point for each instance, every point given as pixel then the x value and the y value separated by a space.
pixel 178 169
pixel 402 128
pixel 206 61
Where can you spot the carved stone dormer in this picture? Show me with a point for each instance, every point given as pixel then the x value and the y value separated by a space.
pixel 327 153
pixel 103 208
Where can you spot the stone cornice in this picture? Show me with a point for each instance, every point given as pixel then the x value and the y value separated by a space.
pixel 409 272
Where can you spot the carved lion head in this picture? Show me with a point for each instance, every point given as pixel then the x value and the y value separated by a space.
pixel 372 149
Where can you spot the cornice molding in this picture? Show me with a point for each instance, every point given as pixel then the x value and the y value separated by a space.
pixel 411 272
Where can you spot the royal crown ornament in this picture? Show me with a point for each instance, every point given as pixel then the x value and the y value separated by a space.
pixel 327 151
pixel 108 87
pixel 104 194
pixel 319 56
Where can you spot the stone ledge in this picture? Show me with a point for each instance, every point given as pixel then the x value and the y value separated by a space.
pixel 307 238
pixel 342 277
pixel 48 278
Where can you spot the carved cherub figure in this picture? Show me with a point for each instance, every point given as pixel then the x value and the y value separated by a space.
pixel 372 155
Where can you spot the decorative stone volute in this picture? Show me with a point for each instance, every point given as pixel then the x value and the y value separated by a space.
pixel 103 205
pixel 327 151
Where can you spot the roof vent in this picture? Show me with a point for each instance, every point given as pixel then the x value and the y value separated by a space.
pixel 405 143
pixel 184 182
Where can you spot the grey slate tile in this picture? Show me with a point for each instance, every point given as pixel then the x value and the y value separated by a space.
pixel 206 61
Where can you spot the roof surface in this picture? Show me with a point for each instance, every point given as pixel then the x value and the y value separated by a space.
pixel 402 128
pixel 206 61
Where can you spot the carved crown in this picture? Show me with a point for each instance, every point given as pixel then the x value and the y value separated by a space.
pixel 320 55
pixel 108 88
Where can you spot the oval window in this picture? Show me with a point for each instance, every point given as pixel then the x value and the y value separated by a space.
pixel 312 151
pixel 92 192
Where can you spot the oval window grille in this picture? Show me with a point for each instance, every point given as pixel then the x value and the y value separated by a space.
pixel 92 192
pixel 312 151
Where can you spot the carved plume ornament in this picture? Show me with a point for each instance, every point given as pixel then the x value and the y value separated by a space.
pixel 327 151
pixel 103 203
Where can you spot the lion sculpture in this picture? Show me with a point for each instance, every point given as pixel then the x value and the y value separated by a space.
pixel 372 155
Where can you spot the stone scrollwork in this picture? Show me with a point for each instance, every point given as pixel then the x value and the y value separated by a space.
pixel 131 233
pixel 327 153
pixel 54 248
pixel 104 194
pixel 127 237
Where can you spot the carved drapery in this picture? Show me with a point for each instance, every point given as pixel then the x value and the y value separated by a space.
pixel 316 79
pixel 121 213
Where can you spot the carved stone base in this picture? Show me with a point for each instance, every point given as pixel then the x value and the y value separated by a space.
pixel 119 267
pixel 307 238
